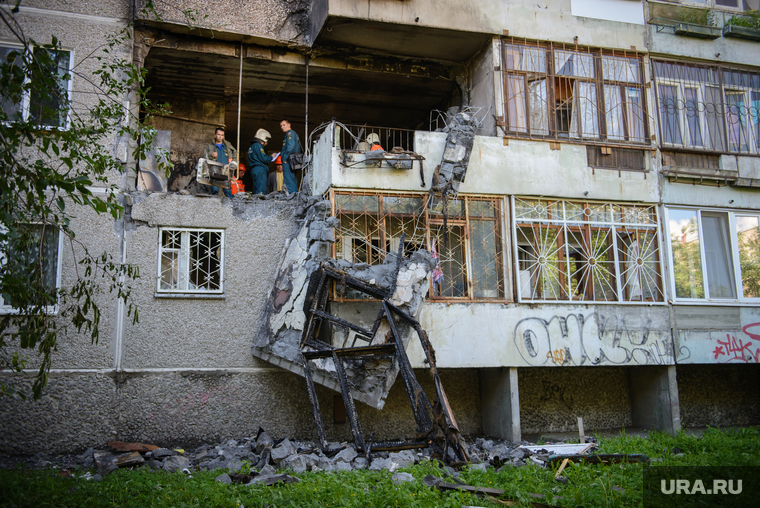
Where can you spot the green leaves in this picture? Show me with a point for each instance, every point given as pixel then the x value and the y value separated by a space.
pixel 53 150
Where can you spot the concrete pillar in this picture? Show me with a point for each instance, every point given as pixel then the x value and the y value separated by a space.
pixel 500 403
pixel 654 398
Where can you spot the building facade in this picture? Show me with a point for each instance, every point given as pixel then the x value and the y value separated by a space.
pixel 600 258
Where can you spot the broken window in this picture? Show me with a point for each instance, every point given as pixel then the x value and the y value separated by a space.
pixel 586 251
pixel 705 246
pixel 708 107
pixel 566 93
pixel 468 240
pixel 41 258
pixel 46 102
pixel 190 261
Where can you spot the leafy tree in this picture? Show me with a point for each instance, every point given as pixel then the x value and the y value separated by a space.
pixel 53 149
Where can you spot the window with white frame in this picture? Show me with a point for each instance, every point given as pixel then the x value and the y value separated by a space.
pixel 190 261
pixel 46 101
pixel 586 251
pixel 708 107
pixel 715 254
pixel 40 258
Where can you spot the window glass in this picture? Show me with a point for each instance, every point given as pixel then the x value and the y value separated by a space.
pixel 191 261
pixel 669 116
pixel 469 249
pixel 48 100
pixel 41 253
pixel 687 261
pixel 11 105
pixel 720 275
pixel 748 236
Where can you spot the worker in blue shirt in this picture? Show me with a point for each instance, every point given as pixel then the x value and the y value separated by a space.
pixel 220 151
pixel 290 145
pixel 259 161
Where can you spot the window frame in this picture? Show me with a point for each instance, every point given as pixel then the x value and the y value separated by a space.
pixel 584 228
pixel 733 258
pixel 426 220
pixel 26 100
pixel 518 106
pixel 719 142
pixel 184 252
pixel 50 309
pixel 711 4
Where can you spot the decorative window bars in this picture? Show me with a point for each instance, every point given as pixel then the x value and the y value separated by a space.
pixel 190 261
pixel 467 240
pixel 586 251
pixel 708 107
pixel 557 91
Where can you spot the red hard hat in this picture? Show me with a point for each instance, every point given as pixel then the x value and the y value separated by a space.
pixel 241 167
pixel 278 160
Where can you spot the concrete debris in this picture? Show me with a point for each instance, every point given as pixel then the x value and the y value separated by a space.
pixel 120 446
pixel 278 341
pixel 450 174
pixel 239 457
pixel 400 478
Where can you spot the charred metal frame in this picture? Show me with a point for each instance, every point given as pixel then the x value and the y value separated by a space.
pixel 426 415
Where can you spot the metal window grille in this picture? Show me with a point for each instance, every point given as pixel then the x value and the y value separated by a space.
pixel 469 244
pixel 354 137
pixel 708 107
pixel 190 261
pixel 564 92
pixel 586 251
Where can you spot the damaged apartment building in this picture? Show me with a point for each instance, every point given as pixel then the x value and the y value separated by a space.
pixel 584 174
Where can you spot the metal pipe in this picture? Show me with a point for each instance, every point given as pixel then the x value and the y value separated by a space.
pixel 306 121
pixel 240 92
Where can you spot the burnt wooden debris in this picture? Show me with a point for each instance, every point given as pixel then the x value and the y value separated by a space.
pixel 429 417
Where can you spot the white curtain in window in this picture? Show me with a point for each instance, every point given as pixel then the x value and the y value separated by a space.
pixel 585 120
pixel 720 277
pixel 539 114
pixel 516 104
pixel 632 282
pixel 614 113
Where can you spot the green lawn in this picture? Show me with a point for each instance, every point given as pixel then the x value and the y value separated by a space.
pixel 587 485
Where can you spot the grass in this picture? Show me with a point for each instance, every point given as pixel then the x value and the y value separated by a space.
pixel 617 485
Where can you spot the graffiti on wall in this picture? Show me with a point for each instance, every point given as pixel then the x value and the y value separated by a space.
pixel 591 339
pixel 732 349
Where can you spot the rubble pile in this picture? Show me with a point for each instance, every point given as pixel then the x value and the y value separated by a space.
pixel 263 459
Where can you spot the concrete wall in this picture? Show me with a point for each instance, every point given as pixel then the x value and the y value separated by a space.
pixel 551 400
pixel 719 395
pixel 663 40
pixel 548 20
pixel 272 20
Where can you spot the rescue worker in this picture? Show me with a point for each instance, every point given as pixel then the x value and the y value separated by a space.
pixel 220 151
pixel 290 145
pixel 374 142
pixel 258 161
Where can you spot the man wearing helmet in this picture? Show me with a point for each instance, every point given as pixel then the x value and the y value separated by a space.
pixel 259 161
pixel 220 151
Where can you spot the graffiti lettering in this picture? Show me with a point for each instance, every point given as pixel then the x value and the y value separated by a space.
pixel 752 335
pixel 735 350
pixel 557 356
pixel 592 339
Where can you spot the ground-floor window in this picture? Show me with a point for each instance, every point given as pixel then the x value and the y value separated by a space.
pixel 190 260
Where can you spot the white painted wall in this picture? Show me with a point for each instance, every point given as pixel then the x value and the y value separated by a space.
pixel 737 344
pixel 624 11
pixel 498 335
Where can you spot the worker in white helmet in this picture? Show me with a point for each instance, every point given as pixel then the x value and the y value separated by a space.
pixel 259 161
pixel 373 140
